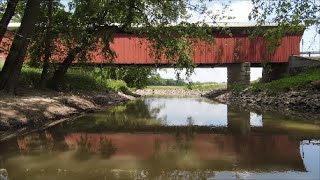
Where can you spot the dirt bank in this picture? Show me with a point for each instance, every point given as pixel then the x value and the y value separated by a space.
pixel 34 108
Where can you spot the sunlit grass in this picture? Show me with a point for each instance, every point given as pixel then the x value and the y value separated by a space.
pixel 75 79
pixel 285 84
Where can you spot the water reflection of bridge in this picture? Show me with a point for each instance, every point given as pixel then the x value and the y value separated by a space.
pixel 219 152
pixel 184 150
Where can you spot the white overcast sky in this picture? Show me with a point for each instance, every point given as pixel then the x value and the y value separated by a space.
pixel 239 9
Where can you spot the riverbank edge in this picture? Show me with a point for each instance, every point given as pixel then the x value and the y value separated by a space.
pixel 300 104
pixel 297 103
pixel 37 109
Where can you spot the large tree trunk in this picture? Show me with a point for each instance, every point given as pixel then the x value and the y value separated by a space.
pixel 63 68
pixel 48 48
pixel 11 7
pixel 10 73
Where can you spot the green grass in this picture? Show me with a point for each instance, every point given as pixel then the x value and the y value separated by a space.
pixel 75 79
pixel 89 79
pixel 285 84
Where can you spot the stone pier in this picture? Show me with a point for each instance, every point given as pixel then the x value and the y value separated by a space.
pixel 274 71
pixel 238 75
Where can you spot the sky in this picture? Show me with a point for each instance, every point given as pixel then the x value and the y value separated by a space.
pixel 239 9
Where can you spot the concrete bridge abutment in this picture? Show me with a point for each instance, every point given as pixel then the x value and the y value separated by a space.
pixel 238 75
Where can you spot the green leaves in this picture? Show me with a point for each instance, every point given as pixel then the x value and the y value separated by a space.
pixel 290 16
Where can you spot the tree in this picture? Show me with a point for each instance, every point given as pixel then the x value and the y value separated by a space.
pixel 11 70
pixel 6 17
pixel 163 23
pixel 48 46
pixel 290 16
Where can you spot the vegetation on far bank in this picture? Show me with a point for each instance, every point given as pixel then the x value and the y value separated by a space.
pixel 193 86
pixel 288 83
pixel 157 82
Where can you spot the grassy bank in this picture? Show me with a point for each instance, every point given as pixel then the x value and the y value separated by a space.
pixel 285 84
pixel 76 79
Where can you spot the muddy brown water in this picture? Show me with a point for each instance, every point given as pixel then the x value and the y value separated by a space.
pixel 168 138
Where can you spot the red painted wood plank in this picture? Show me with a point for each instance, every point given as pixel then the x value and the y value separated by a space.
pixel 135 50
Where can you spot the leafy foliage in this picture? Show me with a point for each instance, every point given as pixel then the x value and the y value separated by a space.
pixel 76 79
pixel 156 80
pixel 134 76
pixel 90 26
pixel 18 12
pixel 290 16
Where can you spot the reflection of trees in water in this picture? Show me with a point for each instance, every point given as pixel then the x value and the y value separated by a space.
pixel 36 144
pixel 170 174
pixel 83 151
pixel 85 148
pixel 58 135
pixel 183 144
pixel 107 148
pixel 42 142
pixel 133 114
pixel 167 155
pixel 190 121
pixel 8 148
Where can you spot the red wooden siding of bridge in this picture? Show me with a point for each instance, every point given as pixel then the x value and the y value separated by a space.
pixel 134 50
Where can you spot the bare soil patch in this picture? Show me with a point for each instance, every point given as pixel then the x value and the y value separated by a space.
pixel 34 108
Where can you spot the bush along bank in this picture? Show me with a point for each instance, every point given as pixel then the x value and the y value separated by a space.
pixel 83 90
pixel 296 93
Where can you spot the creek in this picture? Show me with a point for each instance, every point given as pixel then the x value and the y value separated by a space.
pixel 168 138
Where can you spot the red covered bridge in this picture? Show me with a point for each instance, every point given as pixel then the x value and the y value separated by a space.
pixel 226 50
pixel 236 50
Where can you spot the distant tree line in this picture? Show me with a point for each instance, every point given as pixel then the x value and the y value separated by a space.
pixel 157 80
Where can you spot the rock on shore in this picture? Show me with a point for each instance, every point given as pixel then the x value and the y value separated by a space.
pixel 295 103
pixel 307 100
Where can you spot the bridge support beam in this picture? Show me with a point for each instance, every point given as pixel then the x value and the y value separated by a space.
pixel 238 75
pixel 274 71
